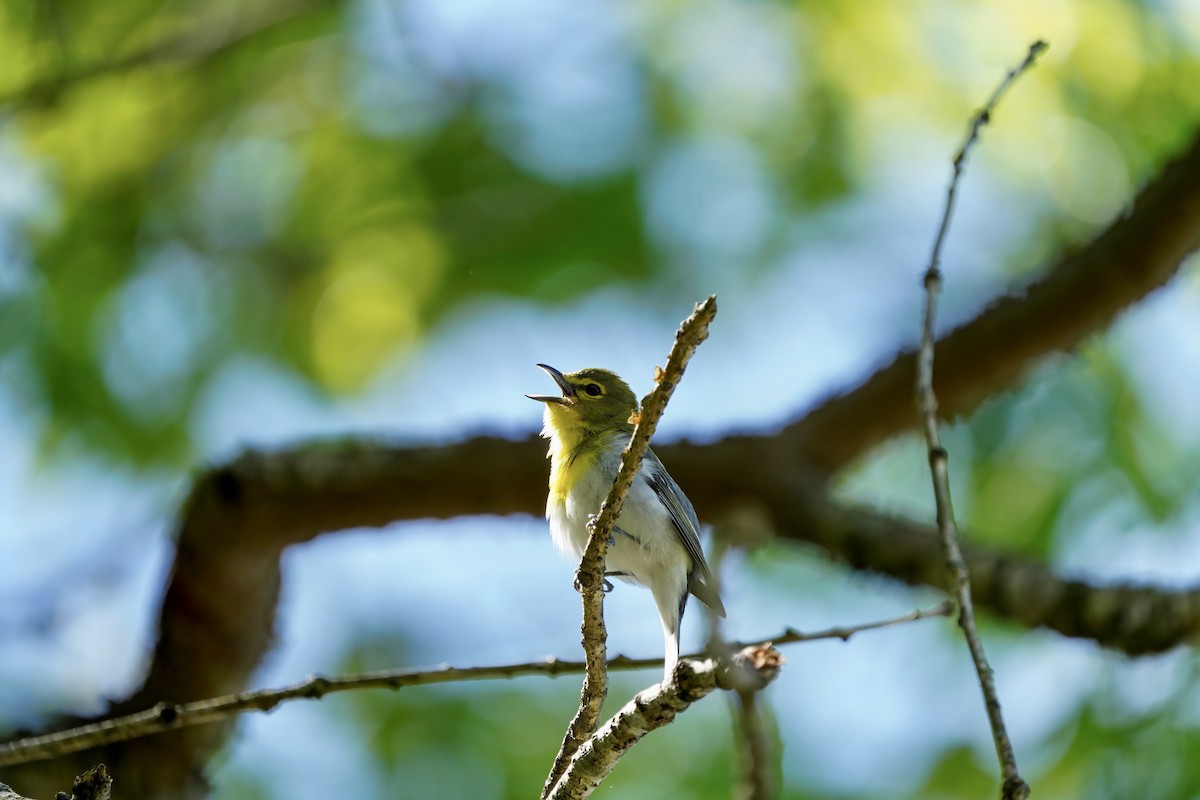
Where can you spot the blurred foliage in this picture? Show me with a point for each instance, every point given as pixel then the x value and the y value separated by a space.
pixel 317 181
pixel 1132 754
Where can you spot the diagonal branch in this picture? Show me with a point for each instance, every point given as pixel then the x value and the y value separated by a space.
pixel 1081 293
pixel 1014 787
pixel 657 707
pixel 590 575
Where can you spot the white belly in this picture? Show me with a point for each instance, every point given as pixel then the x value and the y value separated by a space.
pixel 650 553
pixel 646 551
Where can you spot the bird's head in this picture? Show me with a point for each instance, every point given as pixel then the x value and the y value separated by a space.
pixel 592 400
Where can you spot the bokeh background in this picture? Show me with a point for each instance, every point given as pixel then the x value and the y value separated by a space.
pixel 227 225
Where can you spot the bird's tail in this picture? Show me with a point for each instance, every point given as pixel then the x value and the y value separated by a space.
pixel 706 593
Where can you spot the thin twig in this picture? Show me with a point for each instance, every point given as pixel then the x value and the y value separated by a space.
pixel 793 636
pixel 1013 787
pixel 658 706
pixel 590 575
pixel 166 717
pixel 981 118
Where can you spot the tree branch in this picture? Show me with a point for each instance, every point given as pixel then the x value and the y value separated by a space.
pixel 959 577
pixel 1136 619
pixel 165 717
pixel 657 707
pixel 1080 295
pixel 590 575
pixel 292 496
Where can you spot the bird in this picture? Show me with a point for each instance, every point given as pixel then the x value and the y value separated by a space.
pixel 656 540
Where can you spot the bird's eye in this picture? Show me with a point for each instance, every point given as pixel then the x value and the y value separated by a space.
pixel 593 389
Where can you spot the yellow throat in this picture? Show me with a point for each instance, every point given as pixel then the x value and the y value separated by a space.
pixel 574 450
pixel 594 405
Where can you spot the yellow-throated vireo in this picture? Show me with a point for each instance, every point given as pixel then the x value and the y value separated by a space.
pixel 656 540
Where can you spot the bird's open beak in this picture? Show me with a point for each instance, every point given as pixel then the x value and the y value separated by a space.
pixel 568 391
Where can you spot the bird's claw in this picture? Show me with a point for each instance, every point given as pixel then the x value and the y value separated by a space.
pixel 612 538
pixel 607 587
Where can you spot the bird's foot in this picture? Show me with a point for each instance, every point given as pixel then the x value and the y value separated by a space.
pixel 612 538
pixel 608 587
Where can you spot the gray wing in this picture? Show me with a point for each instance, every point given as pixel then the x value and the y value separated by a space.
pixel 687 525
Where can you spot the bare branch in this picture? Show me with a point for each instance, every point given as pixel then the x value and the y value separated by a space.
pixel 166 717
pixel 1014 788
pixel 981 118
pixel 590 575
pixel 657 707
pixel 791 636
